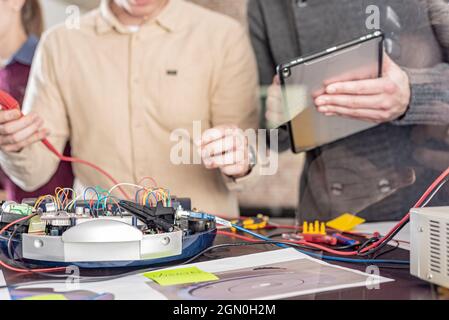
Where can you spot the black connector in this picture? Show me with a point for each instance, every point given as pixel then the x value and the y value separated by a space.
pixel 155 216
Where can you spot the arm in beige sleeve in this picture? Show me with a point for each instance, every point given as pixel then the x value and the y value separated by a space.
pixel 235 96
pixel 34 165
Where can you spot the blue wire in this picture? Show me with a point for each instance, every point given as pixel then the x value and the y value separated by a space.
pixel 137 195
pixel 148 198
pixel 319 256
pixel 85 192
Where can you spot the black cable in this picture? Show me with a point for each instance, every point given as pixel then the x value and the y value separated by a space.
pixel 390 238
pixel 274 235
pixel 87 279
pixel 341 248
pixel 11 236
pixel 379 254
pixel 385 242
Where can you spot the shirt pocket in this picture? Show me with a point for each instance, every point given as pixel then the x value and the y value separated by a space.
pixel 184 95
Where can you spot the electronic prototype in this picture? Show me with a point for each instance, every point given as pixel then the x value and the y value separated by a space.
pixel 104 233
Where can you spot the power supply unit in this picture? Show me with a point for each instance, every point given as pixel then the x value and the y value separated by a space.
pixel 429 244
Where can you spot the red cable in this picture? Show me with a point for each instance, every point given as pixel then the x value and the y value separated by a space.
pixel 87 163
pixel 305 243
pixel 7 102
pixel 403 221
pixel 7 266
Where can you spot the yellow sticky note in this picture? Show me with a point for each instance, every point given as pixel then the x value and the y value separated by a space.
pixel 345 222
pixel 46 297
pixel 180 276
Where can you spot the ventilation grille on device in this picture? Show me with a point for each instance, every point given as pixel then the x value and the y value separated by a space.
pixel 447 248
pixel 435 246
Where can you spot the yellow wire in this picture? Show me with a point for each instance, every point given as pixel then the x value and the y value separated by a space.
pixel 42 198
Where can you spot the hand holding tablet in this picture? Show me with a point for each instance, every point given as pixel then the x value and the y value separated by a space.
pixel 378 100
pixel 309 106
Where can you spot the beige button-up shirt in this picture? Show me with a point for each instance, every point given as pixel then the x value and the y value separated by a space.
pixel 119 94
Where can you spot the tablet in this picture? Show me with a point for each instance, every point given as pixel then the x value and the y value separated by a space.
pixel 303 77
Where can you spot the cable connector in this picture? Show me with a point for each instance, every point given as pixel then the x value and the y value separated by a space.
pixel 194 215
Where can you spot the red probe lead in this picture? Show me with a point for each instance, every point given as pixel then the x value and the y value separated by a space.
pixel 7 102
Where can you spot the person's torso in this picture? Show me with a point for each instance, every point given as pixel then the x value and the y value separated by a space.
pixel 126 94
pixel 370 167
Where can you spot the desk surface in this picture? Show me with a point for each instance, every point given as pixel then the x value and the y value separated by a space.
pixel 405 286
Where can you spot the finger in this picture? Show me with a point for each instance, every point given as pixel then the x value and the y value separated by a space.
pixel 275 117
pixel 275 110
pixel 9 115
pixel 23 134
pixel 274 91
pixel 17 125
pixel 368 72
pixel 217 147
pixel 371 86
pixel 38 136
pixel 355 101
pixel 318 93
pixel 276 80
pixel 227 159
pixel 274 103
pixel 371 115
pixel 216 133
pixel 235 170
pixel 387 62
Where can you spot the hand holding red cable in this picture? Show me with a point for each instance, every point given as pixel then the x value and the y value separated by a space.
pixel 18 131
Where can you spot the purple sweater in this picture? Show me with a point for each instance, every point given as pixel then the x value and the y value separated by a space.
pixel 13 79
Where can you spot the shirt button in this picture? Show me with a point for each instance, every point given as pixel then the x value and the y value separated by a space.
pixel 337 189
pixel 384 186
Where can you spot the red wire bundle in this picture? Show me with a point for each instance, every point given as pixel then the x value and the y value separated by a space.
pixel 403 221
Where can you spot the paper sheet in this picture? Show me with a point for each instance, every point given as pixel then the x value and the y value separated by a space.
pixel 4 293
pixel 135 287
pixel 269 275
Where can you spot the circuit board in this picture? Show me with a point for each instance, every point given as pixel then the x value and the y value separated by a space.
pixel 105 231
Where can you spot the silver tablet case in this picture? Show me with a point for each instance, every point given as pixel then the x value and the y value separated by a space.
pixel 302 77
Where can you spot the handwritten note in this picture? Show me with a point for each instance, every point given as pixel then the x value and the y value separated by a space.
pixel 180 276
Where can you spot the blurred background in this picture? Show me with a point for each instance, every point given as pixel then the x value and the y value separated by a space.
pixel 275 195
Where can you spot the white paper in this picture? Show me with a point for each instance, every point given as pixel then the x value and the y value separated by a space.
pixel 4 293
pixel 134 287
pixel 138 287
pixel 271 258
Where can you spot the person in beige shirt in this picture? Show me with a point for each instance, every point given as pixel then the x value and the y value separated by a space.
pixel 118 87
